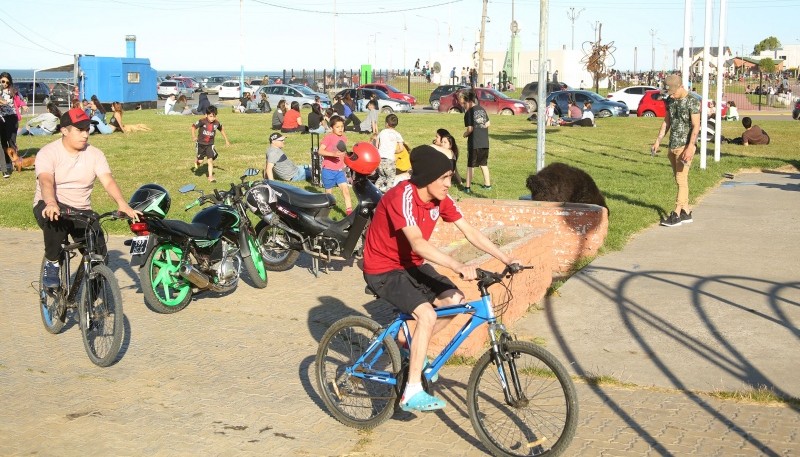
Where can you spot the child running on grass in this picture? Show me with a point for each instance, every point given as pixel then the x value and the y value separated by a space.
pixel 333 162
pixel 203 133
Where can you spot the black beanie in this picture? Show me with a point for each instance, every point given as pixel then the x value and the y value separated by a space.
pixel 427 165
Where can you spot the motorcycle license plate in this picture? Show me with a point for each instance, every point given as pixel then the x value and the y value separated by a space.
pixel 139 245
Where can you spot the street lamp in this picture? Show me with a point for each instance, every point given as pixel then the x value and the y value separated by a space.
pixel 653 49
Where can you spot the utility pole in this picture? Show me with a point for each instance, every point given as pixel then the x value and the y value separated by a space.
pixel 572 15
pixel 595 27
pixel 482 41
pixel 653 49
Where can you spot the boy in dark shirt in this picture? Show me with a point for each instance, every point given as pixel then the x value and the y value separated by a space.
pixel 203 133
pixel 477 124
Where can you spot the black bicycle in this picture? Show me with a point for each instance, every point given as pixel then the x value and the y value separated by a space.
pixel 100 302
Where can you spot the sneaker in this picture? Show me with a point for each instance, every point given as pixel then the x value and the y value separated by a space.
pixel 489 187
pixel 672 220
pixel 51 277
pixel 686 218
pixel 466 190
pixel 421 401
pixel 6 174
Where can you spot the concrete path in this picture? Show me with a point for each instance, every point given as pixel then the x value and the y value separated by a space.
pixel 233 375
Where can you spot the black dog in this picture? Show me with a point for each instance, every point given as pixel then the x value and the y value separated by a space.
pixel 559 182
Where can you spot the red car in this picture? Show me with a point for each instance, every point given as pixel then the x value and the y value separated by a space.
pixel 652 104
pixel 391 91
pixel 492 101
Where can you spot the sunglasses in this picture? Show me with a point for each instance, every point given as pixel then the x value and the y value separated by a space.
pixel 3 81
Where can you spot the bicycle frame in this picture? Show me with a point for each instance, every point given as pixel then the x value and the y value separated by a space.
pixel 88 259
pixel 481 312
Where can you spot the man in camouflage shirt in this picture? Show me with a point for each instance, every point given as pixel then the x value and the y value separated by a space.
pixel 683 121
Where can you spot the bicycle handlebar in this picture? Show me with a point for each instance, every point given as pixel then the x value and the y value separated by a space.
pixel 88 214
pixel 487 278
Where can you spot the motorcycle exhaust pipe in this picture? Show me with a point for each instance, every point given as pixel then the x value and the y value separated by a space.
pixel 194 276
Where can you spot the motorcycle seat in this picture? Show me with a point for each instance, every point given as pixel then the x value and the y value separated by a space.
pixel 301 198
pixel 186 229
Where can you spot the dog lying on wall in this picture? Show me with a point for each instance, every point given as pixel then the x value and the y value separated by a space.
pixel 559 182
pixel 20 162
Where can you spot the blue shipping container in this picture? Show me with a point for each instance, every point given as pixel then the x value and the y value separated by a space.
pixel 131 81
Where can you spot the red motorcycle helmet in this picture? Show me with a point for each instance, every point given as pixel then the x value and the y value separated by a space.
pixel 363 159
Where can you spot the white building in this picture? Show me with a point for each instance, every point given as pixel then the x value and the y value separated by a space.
pixel 789 53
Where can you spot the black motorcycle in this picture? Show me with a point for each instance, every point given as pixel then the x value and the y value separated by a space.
pixel 180 259
pixel 294 220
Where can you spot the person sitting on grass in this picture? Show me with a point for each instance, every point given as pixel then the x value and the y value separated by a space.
pixel 733 112
pixel 278 115
pixel 370 124
pixel 752 134
pixel 293 121
pixel 44 124
pixel 281 167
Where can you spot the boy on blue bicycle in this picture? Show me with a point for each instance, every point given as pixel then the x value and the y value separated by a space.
pixel 397 247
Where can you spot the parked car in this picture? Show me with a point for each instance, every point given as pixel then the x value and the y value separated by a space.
pixel 25 89
pixel 653 105
pixel 324 100
pixel 441 91
pixel 173 87
pixel 385 104
pixel 601 107
pixel 493 101
pixel 229 90
pixel 630 96
pixel 278 92
pixel 530 94
pixel 191 83
pixel 796 111
pixel 211 84
pixel 62 93
pixel 391 91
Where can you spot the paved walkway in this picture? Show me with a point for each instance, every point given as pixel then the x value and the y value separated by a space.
pixel 711 305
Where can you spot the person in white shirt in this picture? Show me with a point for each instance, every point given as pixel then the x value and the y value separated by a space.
pixel 169 105
pixel 388 139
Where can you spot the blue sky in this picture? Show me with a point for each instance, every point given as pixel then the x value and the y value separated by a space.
pixel 280 34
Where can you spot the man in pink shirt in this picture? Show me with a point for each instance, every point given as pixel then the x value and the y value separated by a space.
pixel 65 173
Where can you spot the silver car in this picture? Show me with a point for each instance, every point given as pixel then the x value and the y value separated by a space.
pixel 174 87
pixel 385 104
pixel 278 92
pixel 325 101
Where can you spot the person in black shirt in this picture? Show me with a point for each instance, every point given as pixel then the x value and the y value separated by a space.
pixel 477 124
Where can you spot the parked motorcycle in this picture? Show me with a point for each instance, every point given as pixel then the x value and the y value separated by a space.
pixel 180 259
pixel 294 220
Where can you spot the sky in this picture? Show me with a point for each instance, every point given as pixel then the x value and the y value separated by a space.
pixel 269 35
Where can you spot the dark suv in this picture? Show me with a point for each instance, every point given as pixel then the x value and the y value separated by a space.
pixel 61 94
pixel 530 93
pixel 441 91
pixel 25 89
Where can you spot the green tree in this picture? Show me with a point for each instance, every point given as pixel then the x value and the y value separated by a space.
pixel 767 44
pixel 766 65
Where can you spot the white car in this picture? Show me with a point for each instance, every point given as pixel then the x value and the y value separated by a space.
pixel 174 87
pixel 230 90
pixel 630 96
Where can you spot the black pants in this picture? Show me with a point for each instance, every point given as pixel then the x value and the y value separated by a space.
pixel 8 136
pixel 55 233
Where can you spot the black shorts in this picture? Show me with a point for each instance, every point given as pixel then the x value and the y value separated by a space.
pixel 409 288
pixel 478 157
pixel 206 150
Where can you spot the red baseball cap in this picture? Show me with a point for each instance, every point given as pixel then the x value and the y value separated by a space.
pixel 76 117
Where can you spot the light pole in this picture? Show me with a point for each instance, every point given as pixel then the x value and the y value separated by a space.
pixel 572 15
pixel 653 49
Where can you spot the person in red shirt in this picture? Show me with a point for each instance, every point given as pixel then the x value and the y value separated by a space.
pixel 293 121
pixel 397 248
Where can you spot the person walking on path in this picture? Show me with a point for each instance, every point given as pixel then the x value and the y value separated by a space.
pixel 477 124
pixel 683 121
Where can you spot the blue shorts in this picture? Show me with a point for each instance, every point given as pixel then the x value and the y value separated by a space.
pixel 332 178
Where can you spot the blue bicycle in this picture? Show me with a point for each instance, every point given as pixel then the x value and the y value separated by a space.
pixel 521 400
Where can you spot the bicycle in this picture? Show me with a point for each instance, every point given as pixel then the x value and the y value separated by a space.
pixel 526 406
pixel 100 305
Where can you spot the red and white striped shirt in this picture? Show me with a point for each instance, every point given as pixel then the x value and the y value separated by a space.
pixel 387 247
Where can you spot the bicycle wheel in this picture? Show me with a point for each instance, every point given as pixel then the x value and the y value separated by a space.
pixel 100 316
pixel 254 263
pixel 544 413
pixel 52 305
pixel 164 290
pixel 356 402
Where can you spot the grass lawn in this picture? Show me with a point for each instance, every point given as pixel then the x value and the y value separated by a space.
pixel 616 154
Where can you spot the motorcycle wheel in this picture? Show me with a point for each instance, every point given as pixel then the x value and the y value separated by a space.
pixel 165 291
pixel 274 256
pixel 254 264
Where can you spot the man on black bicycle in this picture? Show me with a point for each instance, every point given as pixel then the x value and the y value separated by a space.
pixel 66 170
pixel 396 248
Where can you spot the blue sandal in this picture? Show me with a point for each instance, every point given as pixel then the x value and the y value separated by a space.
pixel 421 401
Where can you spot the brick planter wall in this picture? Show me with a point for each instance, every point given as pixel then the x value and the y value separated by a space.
pixel 578 229
pixel 533 247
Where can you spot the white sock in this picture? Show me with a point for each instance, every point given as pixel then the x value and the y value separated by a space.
pixel 411 390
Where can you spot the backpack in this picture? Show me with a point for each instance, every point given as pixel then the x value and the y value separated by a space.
pixel 402 158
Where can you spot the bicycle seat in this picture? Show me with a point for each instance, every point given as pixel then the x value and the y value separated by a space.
pixel 301 198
